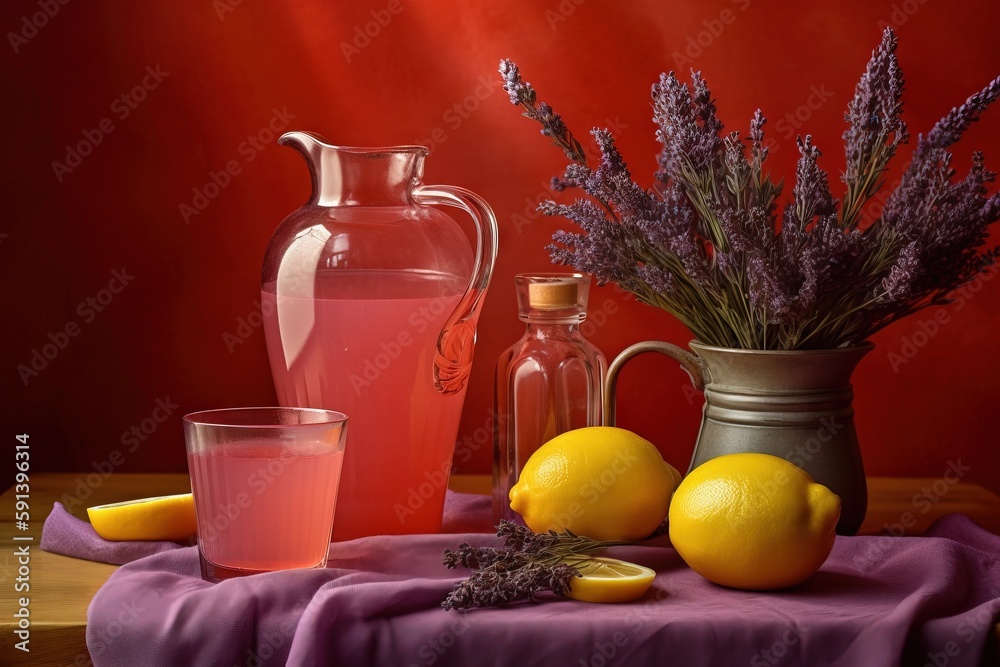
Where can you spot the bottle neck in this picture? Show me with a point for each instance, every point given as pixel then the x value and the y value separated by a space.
pixel 550 329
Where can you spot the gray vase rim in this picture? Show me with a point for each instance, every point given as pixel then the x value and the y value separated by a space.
pixel 866 346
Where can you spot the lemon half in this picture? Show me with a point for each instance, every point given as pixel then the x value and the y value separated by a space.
pixel 160 518
pixel 610 580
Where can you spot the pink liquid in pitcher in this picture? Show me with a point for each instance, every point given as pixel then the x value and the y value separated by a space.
pixel 264 506
pixel 372 358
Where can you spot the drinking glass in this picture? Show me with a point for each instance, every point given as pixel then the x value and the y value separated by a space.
pixel 265 487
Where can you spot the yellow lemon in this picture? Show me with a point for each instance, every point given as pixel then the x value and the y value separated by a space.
pixel 753 521
pixel 609 580
pixel 160 518
pixel 603 482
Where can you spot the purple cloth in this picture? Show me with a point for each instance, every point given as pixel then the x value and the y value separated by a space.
pixel 64 534
pixel 877 601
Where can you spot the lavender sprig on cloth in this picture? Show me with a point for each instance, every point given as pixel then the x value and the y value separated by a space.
pixel 528 563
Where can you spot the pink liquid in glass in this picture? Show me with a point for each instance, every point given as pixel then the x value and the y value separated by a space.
pixel 372 358
pixel 263 505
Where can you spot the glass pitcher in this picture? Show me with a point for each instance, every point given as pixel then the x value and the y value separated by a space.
pixel 371 299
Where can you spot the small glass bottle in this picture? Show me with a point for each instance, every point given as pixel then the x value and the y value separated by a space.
pixel 547 383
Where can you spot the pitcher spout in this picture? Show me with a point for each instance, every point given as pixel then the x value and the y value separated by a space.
pixel 310 147
pixel 307 143
pixel 357 176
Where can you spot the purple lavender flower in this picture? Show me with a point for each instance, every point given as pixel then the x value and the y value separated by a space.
pixel 950 129
pixel 812 188
pixel 552 124
pixel 704 106
pixel 759 150
pixel 559 578
pixel 898 285
pixel 675 231
pixel 734 156
pixel 603 252
pixel 658 278
pixel 689 130
pixel 520 91
pixel 575 176
pixel 875 127
pixel 522 94
pixel 526 565
pixel 705 242
pixel 522 538
pixel 767 294
pixel 874 112
pixel 925 180
pixel 831 253
pixel 613 183
pixel 924 183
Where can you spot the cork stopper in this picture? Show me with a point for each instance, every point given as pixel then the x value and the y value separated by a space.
pixel 553 296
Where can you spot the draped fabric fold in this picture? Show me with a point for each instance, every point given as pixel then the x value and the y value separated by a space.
pixel 877 601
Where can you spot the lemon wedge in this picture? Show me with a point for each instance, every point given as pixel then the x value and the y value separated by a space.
pixel 159 518
pixel 610 580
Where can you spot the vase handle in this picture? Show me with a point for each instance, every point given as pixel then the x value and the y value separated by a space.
pixel 689 362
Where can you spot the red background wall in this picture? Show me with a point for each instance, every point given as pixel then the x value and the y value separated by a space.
pixel 224 67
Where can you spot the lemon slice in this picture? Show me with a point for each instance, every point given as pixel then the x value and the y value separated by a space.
pixel 160 518
pixel 610 580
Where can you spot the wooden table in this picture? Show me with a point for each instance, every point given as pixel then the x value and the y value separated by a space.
pixel 62 587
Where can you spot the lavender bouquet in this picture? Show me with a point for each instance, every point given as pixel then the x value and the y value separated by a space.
pixel 706 245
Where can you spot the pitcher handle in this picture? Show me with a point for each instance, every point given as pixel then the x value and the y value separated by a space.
pixel 689 362
pixel 455 344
